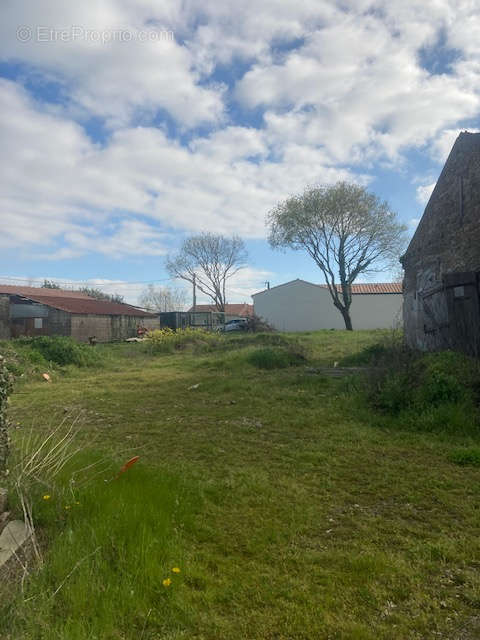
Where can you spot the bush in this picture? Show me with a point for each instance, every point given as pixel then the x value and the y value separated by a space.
pixel 464 457
pixel 425 391
pixel 62 351
pixel 5 388
pixel 277 358
pixel 258 324
pixel 167 341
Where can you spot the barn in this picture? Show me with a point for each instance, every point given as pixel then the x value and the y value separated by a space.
pixel 441 307
pixel 33 311
pixel 303 306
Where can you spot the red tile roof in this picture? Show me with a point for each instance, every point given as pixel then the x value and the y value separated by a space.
pixel 377 287
pixel 243 310
pixel 74 301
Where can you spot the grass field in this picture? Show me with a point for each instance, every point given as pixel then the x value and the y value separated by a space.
pixel 290 513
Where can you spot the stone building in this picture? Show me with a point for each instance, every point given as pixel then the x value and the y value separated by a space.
pixel 31 311
pixel 441 306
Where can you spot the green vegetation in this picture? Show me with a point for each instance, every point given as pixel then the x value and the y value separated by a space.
pixel 115 544
pixel 276 357
pixel 470 456
pixel 30 355
pixel 295 504
pixel 167 341
pixel 425 392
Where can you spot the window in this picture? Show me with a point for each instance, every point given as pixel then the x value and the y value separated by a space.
pixel 38 323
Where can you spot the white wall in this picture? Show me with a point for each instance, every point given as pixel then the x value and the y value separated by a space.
pixel 303 306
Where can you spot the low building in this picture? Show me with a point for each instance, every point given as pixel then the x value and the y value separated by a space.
pixel 442 263
pixel 32 311
pixel 242 310
pixel 303 306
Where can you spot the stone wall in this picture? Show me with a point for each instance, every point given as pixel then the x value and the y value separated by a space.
pixel 58 323
pixel 447 240
pixel 86 325
pixel 4 317
pixel 109 328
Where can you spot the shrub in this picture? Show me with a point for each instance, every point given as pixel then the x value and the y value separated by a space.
pixel 425 391
pixel 277 358
pixel 5 387
pixel 258 324
pixel 62 350
pixel 466 457
pixel 167 341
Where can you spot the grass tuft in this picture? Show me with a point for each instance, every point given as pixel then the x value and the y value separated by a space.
pixel 466 457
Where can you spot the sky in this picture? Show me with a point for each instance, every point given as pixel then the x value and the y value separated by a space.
pixel 127 125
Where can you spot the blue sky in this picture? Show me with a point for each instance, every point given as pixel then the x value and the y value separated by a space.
pixel 128 125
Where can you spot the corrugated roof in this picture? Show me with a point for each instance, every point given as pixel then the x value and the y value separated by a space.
pixel 90 305
pixel 243 309
pixel 13 290
pixel 74 301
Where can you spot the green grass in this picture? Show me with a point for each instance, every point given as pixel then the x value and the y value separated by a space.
pixel 300 516
pixel 114 544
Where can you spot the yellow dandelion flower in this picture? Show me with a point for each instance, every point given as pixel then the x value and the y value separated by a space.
pixel 167 582
pixel 46 497
pixel 176 570
pixel 67 507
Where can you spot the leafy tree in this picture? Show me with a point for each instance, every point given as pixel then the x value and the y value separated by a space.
pixel 163 298
pixel 209 260
pixel 101 295
pixel 345 229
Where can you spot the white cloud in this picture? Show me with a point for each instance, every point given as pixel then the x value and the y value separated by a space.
pixel 57 184
pixel 424 192
pixel 340 88
pixel 118 80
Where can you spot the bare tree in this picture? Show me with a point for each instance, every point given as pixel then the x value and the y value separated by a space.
pixel 209 260
pixel 101 295
pixel 163 298
pixel 345 229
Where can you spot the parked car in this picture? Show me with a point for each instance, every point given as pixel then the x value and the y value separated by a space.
pixel 237 324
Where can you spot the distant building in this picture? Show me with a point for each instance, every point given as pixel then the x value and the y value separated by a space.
pixel 33 311
pixel 442 263
pixel 303 306
pixel 242 310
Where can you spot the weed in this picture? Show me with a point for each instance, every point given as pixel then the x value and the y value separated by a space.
pixel 277 358
pixel 167 341
pixel 60 350
pixel 466 457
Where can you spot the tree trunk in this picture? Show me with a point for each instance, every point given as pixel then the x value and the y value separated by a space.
pixel 347 319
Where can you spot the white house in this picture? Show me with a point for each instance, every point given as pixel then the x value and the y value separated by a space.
pixel 303 306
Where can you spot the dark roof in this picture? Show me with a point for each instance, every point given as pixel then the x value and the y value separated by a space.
pixel 242 309
pixel 357 289
pixel 74 301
